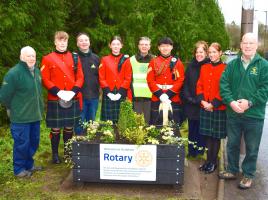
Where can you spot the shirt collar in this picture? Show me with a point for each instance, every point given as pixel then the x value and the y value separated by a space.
pixel 246 61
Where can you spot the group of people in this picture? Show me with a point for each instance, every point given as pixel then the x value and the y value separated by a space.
pixel 219 100
pixel 226 100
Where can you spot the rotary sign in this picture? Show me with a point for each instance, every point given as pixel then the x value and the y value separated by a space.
pixel 128 162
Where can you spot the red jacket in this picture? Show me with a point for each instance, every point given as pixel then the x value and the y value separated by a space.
pixel 111 78
pixel 58 74
pixel 208 85
pixel 161 79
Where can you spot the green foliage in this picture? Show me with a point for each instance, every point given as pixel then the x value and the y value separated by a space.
pixel 35 22
pixel 29 23
pixel 3 114
pixel 127 117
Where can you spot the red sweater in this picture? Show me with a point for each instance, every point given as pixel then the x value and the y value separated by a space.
pixel 208 85
pixel 58 74
pixel 111 78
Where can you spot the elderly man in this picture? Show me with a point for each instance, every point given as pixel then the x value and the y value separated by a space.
pixel 21 93
pixel 244 88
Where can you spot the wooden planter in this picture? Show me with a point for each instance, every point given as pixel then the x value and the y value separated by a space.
pixel 169 164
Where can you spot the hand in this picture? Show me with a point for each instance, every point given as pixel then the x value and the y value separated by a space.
pixel 236 107
pixel 243 104
pixel 207 106
pixel 111 96
pixel 164 98
pixel 117 96
pixel 65 95
pixel 8 113
pixel 60 94
pixel 69 95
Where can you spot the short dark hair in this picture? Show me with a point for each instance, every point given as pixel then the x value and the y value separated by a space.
pixel 116 37
pixel 165 40
pixel 82 33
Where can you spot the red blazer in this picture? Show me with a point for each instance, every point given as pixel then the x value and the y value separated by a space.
pixel 159 73
pixel 58 74
pixel 111 78
pixel 208 85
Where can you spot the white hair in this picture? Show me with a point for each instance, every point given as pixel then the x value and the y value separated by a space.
pixel 25 50
pixel 250 35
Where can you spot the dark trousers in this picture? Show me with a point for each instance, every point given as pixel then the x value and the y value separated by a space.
pixel 197 141
pixel 252 130
pixel 142 106
pixel 26 141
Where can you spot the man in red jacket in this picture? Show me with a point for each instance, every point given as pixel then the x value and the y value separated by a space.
pixel 63 79
pixel 165 78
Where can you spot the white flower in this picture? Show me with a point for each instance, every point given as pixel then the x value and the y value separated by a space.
pixel 173 59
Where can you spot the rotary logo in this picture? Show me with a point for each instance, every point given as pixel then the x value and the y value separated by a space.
pixel 254 71
pixel 143 158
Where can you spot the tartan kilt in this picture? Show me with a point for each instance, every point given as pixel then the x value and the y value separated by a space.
pixel 110 109
pixel 157 117
pixel 213 124
pixel 58 117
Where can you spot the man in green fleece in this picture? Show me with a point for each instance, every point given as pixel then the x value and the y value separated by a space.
pixel 244 89
pixel 21 94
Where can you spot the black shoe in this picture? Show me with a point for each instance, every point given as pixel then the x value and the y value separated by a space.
pixel 210 168
pixel 203 167
pixel 56 159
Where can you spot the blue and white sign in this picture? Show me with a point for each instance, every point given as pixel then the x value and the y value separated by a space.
pixel 128 162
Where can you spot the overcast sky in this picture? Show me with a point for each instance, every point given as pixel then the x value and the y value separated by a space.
pixel 232 10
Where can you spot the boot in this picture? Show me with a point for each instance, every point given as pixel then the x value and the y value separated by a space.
pixel 67 135
pixel 55 140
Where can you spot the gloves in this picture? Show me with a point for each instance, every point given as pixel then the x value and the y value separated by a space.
pixel 65 95
pixel 114 97
pixel 69 95
pixel 164 98
pixel 117 96
pixel 60 94
pixel 111 96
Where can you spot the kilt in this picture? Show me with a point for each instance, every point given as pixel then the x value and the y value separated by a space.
pixel 157 117
pixel 58 117
pixel 110 109
pixel 213 124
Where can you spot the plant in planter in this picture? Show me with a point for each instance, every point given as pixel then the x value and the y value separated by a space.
pixel 90 155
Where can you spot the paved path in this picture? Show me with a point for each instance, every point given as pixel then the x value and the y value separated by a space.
pixel 259 190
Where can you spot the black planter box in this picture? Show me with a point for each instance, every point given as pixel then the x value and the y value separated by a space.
pixel 169 164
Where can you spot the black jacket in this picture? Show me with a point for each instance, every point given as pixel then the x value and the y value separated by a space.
pixel 90 64
pixel 191 102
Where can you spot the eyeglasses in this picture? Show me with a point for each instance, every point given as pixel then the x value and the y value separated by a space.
pixel 248 43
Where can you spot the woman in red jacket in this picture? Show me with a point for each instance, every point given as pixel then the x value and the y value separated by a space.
pixel 115 75
pixel 212 113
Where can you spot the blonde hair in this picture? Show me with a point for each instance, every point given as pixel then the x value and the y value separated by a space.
pixel 59 35
pixel 216 45
pixel 203 44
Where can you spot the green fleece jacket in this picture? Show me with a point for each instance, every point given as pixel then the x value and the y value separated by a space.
pixel 251 84
pixel 21 92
